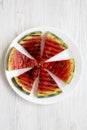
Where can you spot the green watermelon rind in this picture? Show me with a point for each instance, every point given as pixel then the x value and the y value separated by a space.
pixel 37 33
pixel 8 57
pixel 58 39
pixel 18 86
pixel 49 95
pixel 70 78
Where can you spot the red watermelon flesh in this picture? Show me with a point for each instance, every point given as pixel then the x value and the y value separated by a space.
pixel 47 86
pixel 53 45
pixel 26 80
pixel 63 69
pixel 32 43
pixel 17 60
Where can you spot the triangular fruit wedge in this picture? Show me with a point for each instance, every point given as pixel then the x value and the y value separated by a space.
pixel 32 43
pixel 47 86
pixel 63 69
pixel 17 60
pixel 26 80
pixel 53 45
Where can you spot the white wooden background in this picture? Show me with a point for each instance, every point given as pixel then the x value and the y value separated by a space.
pixel 69 16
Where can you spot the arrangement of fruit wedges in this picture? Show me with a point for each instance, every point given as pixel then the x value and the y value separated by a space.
pixel 62 69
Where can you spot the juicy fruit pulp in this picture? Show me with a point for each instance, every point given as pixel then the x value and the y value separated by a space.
pixel 47 86
pixel 25 81
pixel 53 46
pixel 17 60
pixel 63 69
pixel 32 43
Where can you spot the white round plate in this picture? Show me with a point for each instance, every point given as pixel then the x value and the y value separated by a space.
pixel 71 52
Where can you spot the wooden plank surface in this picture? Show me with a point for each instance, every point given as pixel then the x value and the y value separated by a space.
pixel 69 16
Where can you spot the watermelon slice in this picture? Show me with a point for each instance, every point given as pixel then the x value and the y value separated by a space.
pixel 53 46
pixel 32 43
pixel 47 86
pixel 63 69
pixel 25 81
pixel 17 60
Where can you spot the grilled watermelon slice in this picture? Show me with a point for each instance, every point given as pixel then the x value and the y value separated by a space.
pixel 25 81
pixel 32 43
pixel 47 86
pixel 63 69
pixel 53 45
pixel 17 60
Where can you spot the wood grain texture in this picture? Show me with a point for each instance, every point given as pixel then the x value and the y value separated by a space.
pixel 69 16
